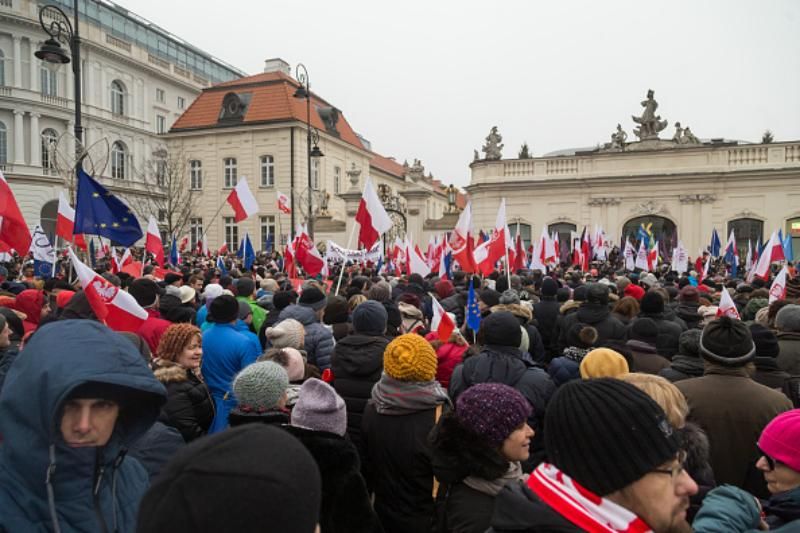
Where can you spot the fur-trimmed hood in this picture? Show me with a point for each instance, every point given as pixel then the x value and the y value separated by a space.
pixel 169 372
pixel 518 310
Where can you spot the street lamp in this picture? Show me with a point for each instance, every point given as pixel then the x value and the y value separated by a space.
pixel 451 198
pixel 312 136
pixel 56 23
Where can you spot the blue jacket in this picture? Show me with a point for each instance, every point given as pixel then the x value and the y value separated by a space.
pixel 226 352
pixel 731 509
pixel 35 460
pixel 319 339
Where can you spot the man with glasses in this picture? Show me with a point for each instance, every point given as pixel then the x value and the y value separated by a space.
pixel 615 465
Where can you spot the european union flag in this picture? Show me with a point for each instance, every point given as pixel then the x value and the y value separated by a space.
pixel 716 244
pixel 473 313
pixel 174 258
pixel 248 252
pixel 98 212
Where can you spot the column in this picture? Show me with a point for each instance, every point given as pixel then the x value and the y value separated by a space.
pixel 71 138
pixel 36 141
pixel 104 85
pixel 89 87
pixel 17 61
pixel 34 66
pixel 69 81
pixel 19 139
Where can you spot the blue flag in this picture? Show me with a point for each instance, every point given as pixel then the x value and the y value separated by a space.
pixel 221 266
pixel 716 244
pixel 473 313
pixel 248 253
pixel 98 212
pixel 174 258
pixel 44 257
pixel 448 261
pixel 268 243
pixel 379 266
pixel 788 253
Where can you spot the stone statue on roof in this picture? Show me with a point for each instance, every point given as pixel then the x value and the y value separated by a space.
pixel 650 124
pixel 475 156
pixel 689 136
pixel 618 138
pixel 415 171
pixel 493 148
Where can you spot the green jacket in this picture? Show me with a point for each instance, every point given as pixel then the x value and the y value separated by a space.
pixel 259 313
pixel 730 509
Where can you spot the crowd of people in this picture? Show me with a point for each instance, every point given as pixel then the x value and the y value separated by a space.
pixel 596 401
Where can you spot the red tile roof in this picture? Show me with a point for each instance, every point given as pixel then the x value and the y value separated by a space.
pixel 387 164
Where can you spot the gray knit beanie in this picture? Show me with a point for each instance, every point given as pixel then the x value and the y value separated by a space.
pixel 288 333
pixel 319 408
pixel 788 318
pixel 260 386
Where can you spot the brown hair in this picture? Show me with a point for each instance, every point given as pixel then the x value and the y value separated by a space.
pixel 627 307
pixel 664 393
pixel 175 339
pixel 354 301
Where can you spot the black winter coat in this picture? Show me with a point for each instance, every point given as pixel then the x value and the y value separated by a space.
pixel 546 314
pixel 346 507
pixel 768 373
pixel 357 364
pixel 596 315
pixel 189 407
pixel 683 367
pixel 669 332
pixel 517 509
pixel 687 311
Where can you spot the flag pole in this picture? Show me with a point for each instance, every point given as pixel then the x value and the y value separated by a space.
pixel 205 231
pixel 344 260
pixel 505 246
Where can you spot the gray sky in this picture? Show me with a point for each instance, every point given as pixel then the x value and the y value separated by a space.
pixel 428 79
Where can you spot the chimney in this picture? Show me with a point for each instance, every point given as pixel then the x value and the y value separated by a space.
pixel 277 64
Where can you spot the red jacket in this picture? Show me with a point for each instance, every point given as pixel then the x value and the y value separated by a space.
pixel 152 329
pixel 449 355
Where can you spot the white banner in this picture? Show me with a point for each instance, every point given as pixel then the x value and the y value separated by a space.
pixel 336 253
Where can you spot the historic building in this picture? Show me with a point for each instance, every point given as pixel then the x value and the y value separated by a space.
pixel 255 127
pixel 136 80
pixel 683 186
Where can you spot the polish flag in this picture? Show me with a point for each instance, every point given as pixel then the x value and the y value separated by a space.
pixel 183 244
pixel 115 307
pixel 483 262
pixel 372 218
pixel 153 242
pixel 204 246
pixel 773 251
pixel 14 232
pixel 726 306
pixel 416 263
pixel 288 261
pixel 284 203
pixel 461 240
pixel 223 250
pixel 65 223
pixel 652 258
pixel 500 240
pixel 307 255
pixel 641 257
pixel 519 254
pixel 630 256
pixel 441 322
pixel 242 201
pixel 778 289
pixel 117 264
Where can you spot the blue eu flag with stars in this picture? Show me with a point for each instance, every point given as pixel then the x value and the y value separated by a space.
pixel 473 313
pixel 98 212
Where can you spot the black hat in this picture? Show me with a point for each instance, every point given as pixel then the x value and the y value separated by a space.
pixel 727 341
pixel 312 297
pixel 489 297
pixel 225 482
pixel 283 299
pixel 597 293
pixel 223 310
pixel 765 340
pixel 606 433
pixel 549 287
pixel 245 286
pixel 652 302
pixel 145 291
pixel 563 294
pixel 644 329
pixel 370 318
pixel 689 343
pixel 501 328
pixel 171 278
pixel 580 293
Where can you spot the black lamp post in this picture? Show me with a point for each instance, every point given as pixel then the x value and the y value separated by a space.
pixel 451 198
pixel 312 136
pixel 56 23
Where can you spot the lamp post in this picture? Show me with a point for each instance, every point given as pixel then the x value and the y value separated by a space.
pixel 451 198
pixel 57 25
pixel 312 135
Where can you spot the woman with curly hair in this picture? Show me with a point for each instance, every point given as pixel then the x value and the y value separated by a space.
pixel 189 407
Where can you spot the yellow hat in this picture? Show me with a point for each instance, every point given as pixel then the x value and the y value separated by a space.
pixel 603 363
pixel 410 357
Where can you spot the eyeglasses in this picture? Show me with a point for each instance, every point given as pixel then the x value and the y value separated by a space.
pixel 770 461
pixel 677 469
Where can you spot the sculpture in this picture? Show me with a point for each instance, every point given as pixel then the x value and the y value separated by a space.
pixel 650 124
pixel 618 138
pixel 354 173
pixel 475 156
pixel 415 171
pixel 678 133
pixel 688 137
pixel 493 148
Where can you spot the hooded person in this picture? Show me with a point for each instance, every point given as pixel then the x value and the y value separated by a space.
pixel 500 361
pixel 319 421
pixel 33 304
pixel 546 313
pixel 594 312
pixel 336 316
pixel 652 307
pixel 406 403
pixel 67 422
pixel 296 369
pixel 688 304
pixel 687 363
pixel 509 301
pixel 731 407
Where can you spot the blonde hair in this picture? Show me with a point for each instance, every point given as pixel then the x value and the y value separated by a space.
pixel 664 393
pixel 354 301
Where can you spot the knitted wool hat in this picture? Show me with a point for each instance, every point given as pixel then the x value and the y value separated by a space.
pixel 788 318
pixel 596 293
pixel 410 357
pixel 444 288
pixel 649 279
pixel 509 296
pixel 634 291
pixel 63 297
pixel 766 342
pixel 288 333
pixel 369 318
pixel 260 386
pixel 490 297
pixel 603 363
pixel 652 302
pixel 492 411
pixel 781 439
pixel 223 309
pixel 689 343
pixel 227 482
pixel 606 433
pixel 501 328
pixel 313 297
pixel 727 341
pixel 319 408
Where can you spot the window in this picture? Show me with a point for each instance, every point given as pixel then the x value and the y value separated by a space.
pixel 2 68
pixel 49 82
pixel 524 230
pixel 195 174
pixel 230 172
pixel 267 233
pixel 161 172
pixel 117 97
pixel 3 144
pixel 162 215
pixel 161 124
pixel 231 234
pixel 49 137
pixel 315 174
pixel 195 231
pixel 181 102
pixel 160 96
pixel 267 171
pixel 337 179
pixel 119 161
pixel 746 229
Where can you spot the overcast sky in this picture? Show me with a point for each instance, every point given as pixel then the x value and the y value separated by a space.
pixel 428 79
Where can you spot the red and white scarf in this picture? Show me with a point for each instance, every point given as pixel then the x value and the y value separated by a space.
pixel 580 506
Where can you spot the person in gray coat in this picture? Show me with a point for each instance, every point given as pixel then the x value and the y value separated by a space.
pixel 319 339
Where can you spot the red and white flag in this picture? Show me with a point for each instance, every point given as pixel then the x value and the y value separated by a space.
pixel 242 201
pixel 416 263
pixel 284 203
pixel 372 218
pixel 500 241
pixel 65 223
pixel 223 250
pixel 14 232
pixel 652 258
pixel 461 240
pixel 641 257
pixel 307 255
pixel 153 242
pixel 778 289
pixel 726 306
pixel 441 322
pixel 773 251
pixel 183 243
pixel 118 309
pixel 117 264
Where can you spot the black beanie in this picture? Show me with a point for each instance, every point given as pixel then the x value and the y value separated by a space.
pixel 765 340
pixel 652 302
pixel 606 433
pixel 370 318
pixel 283 299
pixel 501 328
pixel 644 329
pixel 225 482
pixel 549 287
pixel 223 309
pixel 728 342
pixel 490 297
pixel 580 293
pixel 597 293
pixel 689 343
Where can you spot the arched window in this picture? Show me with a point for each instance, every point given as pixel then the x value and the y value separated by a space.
pixel 117 97
pixel 3 144
pixel 2 68
pixel 745 229
pixel 524 231
pixel 47 218
pixel 564 231
pixel 49 137
pixel 119 160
